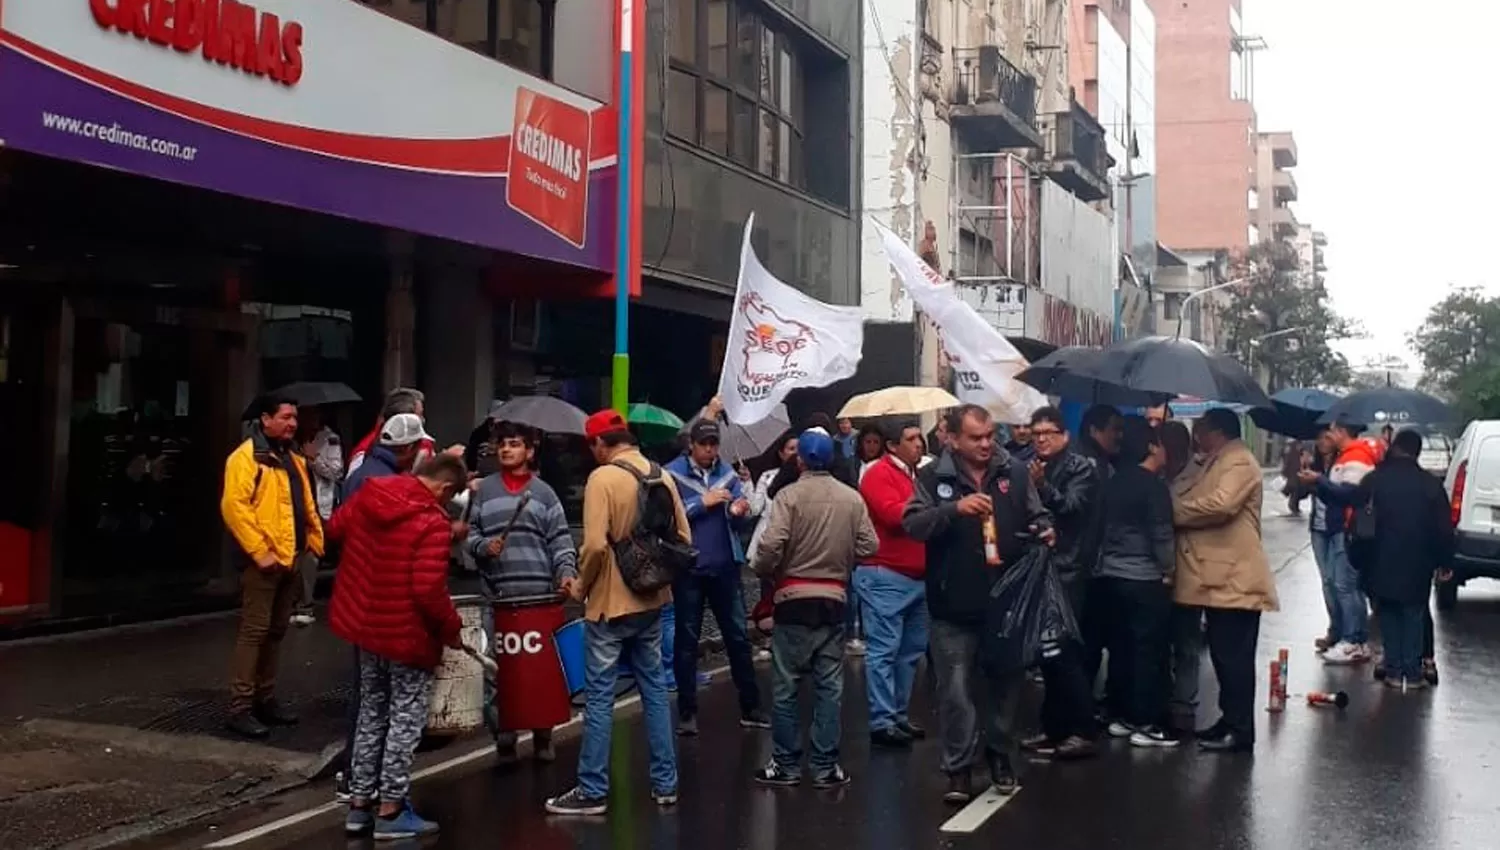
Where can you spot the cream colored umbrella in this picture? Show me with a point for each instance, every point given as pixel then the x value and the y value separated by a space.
pixel 898 401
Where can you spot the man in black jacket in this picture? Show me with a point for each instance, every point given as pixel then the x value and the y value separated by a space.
pixel 973 485
pixel 1068 485
pixel 1413 541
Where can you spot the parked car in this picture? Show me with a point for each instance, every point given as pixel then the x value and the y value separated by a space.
pixel 1473 485
pixel 1437 454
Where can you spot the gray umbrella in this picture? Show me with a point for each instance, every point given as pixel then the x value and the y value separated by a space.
pixel 542 412
pixel 742 442
pixel 312 393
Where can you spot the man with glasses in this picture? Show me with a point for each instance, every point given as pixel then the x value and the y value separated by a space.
pixel 713 496
pixel 1068 485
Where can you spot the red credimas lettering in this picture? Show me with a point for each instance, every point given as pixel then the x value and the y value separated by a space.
pixel 224 31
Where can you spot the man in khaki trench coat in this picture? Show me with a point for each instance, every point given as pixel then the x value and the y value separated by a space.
pixel 1222 569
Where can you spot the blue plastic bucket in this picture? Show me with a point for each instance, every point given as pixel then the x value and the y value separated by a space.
pixel 570 651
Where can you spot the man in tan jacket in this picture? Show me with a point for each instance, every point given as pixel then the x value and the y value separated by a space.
pixel 618 620
pixel 816 531
pixel 1222 569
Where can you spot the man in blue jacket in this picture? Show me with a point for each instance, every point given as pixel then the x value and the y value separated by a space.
pixel 716 506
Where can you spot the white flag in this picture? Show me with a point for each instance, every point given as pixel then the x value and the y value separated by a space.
pixel 985 364
pixel 781 339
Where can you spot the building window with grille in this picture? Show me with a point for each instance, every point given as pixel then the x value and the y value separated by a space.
pixel 736 86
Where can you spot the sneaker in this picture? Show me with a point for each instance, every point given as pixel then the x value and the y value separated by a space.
pixel 773 774
pixel 574 803
pixel 1004 782
pixel 1345 652
pixel 1040 743
pixel 855 646
pixel 1153 736
pixel 542 749
pixel 761 655
pixel 755 719
pixel 664 798
pixel 687 727
pixel 1074 748
pixel 1429 671
pixel 1120 729
pixel 960 789
pixel 341 788
pixel 833 778
pixel 505 753
pixel 303 620
pixel 1400 684
pixel 404 824
pixel 359 821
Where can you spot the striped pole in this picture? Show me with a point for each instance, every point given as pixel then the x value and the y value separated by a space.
pixel 629 172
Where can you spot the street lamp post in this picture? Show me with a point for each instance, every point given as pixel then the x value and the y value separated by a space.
pixel 1182 313
pixel 629 172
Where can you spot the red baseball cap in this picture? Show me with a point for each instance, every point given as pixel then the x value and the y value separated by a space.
pixel 604 422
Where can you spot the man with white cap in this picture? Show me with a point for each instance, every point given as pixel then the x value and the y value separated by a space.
pixel 396 451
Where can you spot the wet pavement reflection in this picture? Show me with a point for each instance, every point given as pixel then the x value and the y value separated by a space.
pixel 1391 771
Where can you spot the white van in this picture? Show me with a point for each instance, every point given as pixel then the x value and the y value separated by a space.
pixel 1473 485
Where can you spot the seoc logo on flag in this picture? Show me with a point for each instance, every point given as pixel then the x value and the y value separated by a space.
pixel 549 165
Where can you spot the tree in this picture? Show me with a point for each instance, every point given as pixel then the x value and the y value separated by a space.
pixel 1460 335
pixel 1279 320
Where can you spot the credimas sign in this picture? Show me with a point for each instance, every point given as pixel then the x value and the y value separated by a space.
pixel 548 179
pixel 224 31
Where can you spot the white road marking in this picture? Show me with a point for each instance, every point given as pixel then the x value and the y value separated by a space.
pixel 432 770
pixel 973 816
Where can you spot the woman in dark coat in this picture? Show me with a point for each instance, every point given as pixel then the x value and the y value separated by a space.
pixel 1413 541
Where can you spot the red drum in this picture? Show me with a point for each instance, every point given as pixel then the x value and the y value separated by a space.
pixel 531 690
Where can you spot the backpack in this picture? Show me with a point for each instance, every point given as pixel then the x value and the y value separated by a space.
pixel 652 556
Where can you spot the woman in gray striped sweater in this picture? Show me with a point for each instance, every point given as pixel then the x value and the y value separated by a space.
pixel 519 537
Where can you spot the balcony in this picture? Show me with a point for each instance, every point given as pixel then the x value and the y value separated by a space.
pixel 1285 186
pixel 1076 158
pixel 1320 238
pixel 1283 223
pixel 994 102
pixel 1283 149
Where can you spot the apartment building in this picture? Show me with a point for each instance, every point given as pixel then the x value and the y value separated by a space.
pixel 977 151
pixel 1275 188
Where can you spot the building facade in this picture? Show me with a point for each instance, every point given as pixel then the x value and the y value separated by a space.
pixel 1275 187
pixel 978 151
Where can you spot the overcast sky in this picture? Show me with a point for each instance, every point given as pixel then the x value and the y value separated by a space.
pixel 1393 107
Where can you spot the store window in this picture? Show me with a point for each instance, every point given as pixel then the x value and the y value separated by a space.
pixel 736 86
pixel 512 31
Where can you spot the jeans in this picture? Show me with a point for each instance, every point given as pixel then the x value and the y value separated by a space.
pixel 896 625
pixel 1322 549
pixel 852 621
pixel 1402 626
pixel 1067 700
pixel 798 651
pixel 722 593
pixel 1139 642
pixel 1232 636
pixel 1187 654
pixel 1353 612
pixel 637 637
pixel 267 600
pixel 970 700
pixel 1429 640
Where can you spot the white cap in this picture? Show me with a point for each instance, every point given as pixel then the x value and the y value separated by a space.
pixel 403 429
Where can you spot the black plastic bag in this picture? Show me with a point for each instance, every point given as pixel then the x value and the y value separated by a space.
pixel 1028 618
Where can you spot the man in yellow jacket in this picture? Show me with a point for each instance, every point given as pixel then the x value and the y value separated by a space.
pixel 269 507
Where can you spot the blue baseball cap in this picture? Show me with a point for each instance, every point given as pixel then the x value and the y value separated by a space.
pixel 815 448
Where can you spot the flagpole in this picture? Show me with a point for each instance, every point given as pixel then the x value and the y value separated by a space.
pixel 734 306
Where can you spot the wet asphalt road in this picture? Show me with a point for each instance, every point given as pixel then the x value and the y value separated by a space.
pixel 1393 771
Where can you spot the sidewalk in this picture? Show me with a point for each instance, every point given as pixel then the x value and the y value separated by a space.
pixel 110 734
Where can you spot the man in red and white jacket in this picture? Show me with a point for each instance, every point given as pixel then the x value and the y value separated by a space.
pixel 391 601
pixel 892 591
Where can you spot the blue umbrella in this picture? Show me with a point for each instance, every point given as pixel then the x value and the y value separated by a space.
pixel 1388 406
pixel 1304 398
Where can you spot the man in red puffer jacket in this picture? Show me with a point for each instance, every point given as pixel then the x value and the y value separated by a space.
pixel 390 600
pixel 892 593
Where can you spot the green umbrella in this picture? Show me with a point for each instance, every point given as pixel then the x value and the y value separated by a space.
pixel 654 424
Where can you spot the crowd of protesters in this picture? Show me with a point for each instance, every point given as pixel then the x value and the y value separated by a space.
pixel 882 541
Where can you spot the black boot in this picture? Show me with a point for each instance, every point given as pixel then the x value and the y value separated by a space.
pixel 244 724
pixel 271 713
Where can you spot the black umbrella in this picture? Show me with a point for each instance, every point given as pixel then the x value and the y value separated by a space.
pixel 1388 406
pixel 1295 412
pixel 1170 366
pixel 1064 373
